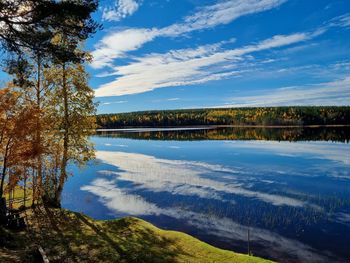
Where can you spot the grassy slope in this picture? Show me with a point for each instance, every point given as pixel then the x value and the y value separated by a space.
pixel 74 237
pixel 171 245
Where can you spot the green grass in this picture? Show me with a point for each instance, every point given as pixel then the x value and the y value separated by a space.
pixel 74 237
pixel 156 245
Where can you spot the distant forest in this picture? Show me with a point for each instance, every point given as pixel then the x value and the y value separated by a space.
pixel 264 116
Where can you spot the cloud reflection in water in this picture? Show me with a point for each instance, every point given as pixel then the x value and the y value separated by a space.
pixel 120 201
pixel 185 177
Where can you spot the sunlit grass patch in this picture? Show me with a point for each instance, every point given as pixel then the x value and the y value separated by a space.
pixel 17 197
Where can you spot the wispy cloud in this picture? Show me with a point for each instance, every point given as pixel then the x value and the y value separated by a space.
pixel 342 21
pixel 329 93
pixel 188 66
pixel 114 102
pixel 185 178
pixel 220 13
pixel 130 204
pixel 336 152
pixel 120 10
pixel 117 43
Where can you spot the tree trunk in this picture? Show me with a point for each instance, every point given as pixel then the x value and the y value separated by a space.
pixel 24 190
pixel 3 174
pixel 38 130
pixel 4 169
pixel 34 184
pixel 64 162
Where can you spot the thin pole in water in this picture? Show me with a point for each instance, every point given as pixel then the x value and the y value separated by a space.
pixel 248 241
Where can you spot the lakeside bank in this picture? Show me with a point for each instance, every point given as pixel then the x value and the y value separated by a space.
pixel 68 236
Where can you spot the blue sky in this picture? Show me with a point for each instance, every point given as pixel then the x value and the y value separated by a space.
pixel 171 54
pixel 174 54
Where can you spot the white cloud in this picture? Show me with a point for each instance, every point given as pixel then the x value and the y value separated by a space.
pixel 185 177
pixel 337 152
pixel 114 102
pixel 343 218
pixel 220 13
pixel 187 66
pixel 116 145
pixel 342 21
pixel 329 93
pixel 117 200
pixel 120 10
pixel 116 44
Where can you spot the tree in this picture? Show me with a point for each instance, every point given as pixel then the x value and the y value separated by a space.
pixel 73 111
pixel 50 83
pixel 27 78
pixel 32 24
pixel 17 124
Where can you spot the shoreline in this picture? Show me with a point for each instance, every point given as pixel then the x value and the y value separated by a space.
pixel 72 235
pixel 207 127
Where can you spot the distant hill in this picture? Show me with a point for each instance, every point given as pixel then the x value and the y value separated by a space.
pixel 262 116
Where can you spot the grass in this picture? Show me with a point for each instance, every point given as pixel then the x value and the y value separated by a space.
pixel 18 196
pixel 73 237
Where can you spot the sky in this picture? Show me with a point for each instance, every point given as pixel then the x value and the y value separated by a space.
pixel 179 54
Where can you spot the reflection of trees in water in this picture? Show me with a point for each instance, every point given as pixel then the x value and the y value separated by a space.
pixel 338 134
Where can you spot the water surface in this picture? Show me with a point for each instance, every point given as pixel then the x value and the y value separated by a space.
pixel 288 188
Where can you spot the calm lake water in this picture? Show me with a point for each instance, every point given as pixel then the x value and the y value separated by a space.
pixel 288 188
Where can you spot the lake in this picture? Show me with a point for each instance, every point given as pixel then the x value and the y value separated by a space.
pixel 282 194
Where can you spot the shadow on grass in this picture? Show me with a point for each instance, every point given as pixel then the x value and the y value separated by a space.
pixel 143 244
pixel 102 235
pixel 73 237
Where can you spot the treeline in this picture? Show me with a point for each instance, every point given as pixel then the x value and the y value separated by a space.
pixel 336 134
pixel 265 116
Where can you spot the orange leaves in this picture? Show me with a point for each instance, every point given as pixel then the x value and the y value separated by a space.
pixel 17 128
